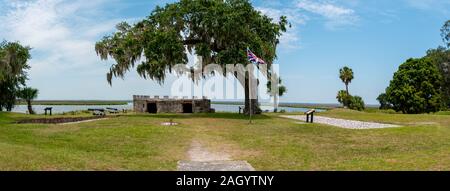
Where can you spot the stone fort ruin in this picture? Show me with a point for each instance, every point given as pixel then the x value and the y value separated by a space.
pixel 147 104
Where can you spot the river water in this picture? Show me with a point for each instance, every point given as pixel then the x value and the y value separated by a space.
pixel 68 108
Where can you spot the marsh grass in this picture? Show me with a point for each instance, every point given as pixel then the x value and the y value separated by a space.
pixel 74 102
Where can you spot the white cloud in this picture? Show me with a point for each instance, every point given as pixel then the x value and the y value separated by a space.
pixel 440 6
pixel 290 39
pixel 297 13
pixel 426 4
pixel 336 16
pixel 293 15
pixel 61 33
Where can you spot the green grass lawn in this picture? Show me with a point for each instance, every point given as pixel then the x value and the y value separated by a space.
pixel 124 143
pixel 139 142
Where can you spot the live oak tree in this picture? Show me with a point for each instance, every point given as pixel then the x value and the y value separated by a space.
pixel 217 30
pixel 416 87
pixel 419 86
pixel 441 59
pixel 445 33
pixel 13 66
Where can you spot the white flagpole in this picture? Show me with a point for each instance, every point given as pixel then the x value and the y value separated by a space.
pixel 249 92
pixel 250 96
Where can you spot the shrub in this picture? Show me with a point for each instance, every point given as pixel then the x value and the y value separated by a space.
pixel 356 103
pixel 384 102
pixel 344 98
pixel 349 101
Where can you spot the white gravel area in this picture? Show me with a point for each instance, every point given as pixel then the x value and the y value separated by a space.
pixel 343 123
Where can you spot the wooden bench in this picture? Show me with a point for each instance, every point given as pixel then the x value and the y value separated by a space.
pixel 308 114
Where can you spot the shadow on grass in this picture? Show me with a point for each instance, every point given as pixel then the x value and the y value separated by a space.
pixel 443 113
pixel 5 118
pixel 12 118
pixel 202 115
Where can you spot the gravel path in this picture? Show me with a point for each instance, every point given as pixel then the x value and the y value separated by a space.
pixel 200 154
pixel 343 123
pixel 203 160
pixel 214 166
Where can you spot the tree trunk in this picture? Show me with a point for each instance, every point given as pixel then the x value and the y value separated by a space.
pixel 251 105
pixel 347 101
pixel 275 103
pixel 346 89
pixel 30 109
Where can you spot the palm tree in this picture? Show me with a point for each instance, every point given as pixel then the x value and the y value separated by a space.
pixel 346 75
pixel 344 98
pixel 281 91
pixel 29 94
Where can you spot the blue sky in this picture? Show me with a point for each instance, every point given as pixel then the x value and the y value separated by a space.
pixel 371 36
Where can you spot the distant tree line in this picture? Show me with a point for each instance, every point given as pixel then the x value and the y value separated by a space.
pixel 13 75
pixel 421 85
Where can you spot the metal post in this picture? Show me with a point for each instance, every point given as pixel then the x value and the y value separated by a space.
pixel 312 117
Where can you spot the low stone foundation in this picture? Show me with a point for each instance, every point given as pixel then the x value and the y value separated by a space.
pixel 59 120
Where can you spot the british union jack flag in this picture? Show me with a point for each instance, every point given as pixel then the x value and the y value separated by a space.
pixel 253 58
